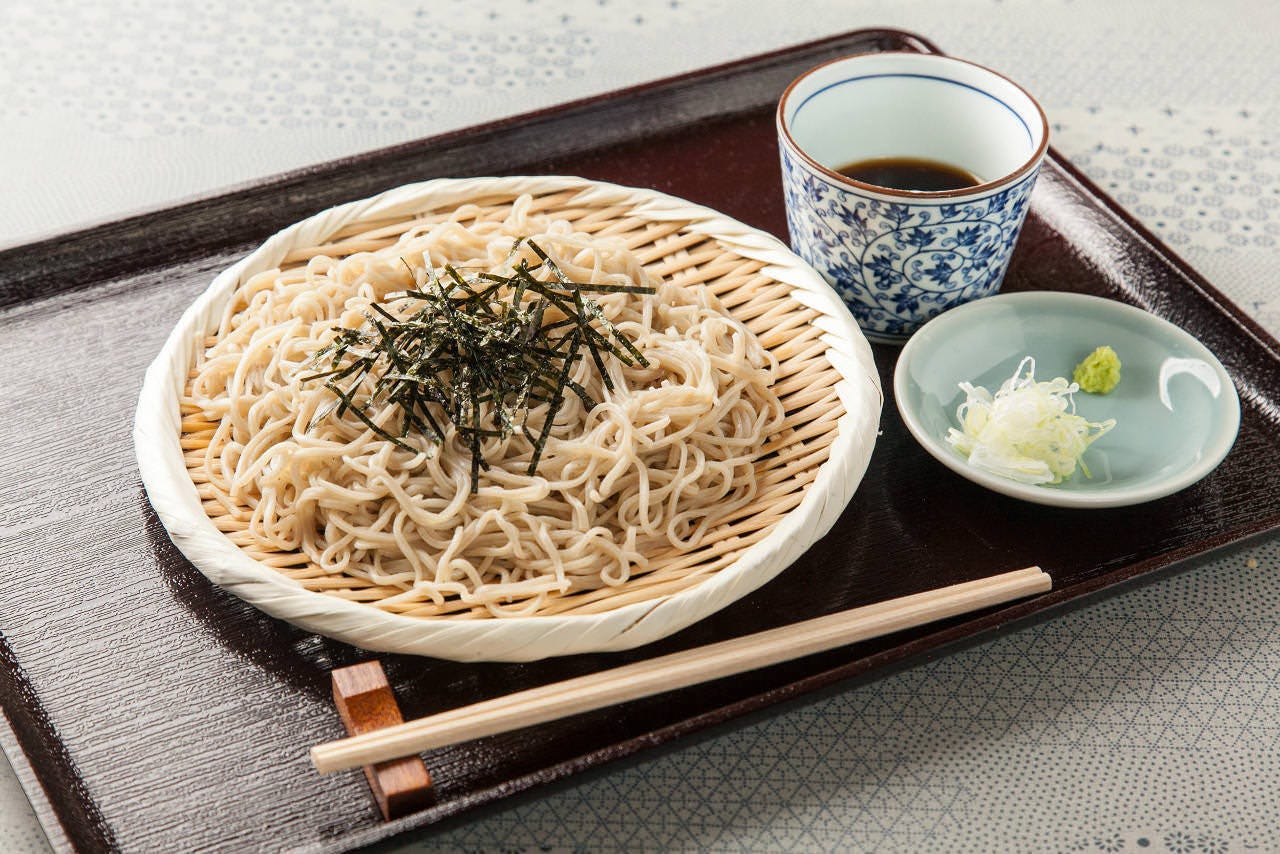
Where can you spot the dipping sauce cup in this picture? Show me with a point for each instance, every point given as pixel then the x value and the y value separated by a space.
pixel 898 257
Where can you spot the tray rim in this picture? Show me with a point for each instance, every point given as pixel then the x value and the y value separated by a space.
pixel 42 805
pixel 943 640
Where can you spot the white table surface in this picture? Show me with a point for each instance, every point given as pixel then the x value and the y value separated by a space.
pixel 1146 721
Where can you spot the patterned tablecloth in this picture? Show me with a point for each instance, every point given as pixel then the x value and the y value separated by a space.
pixel 1148 720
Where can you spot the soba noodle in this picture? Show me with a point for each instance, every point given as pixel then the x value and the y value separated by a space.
pixel 657 462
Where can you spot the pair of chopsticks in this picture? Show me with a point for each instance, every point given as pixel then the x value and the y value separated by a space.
pixel 677 670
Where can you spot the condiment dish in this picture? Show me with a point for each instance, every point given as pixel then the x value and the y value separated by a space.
pixel 1176 410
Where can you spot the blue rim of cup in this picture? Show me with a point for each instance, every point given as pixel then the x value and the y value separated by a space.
pixel 843 180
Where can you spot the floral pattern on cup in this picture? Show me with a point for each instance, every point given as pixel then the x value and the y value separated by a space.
pixel 898 264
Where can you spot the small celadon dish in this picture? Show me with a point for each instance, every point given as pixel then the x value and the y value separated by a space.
pixel 1176 409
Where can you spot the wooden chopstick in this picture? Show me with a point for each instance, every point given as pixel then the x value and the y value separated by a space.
pixel 677 670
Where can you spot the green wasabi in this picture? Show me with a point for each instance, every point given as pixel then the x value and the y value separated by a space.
pixel 1099 373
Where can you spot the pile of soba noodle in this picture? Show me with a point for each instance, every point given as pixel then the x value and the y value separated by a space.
pixel 644 473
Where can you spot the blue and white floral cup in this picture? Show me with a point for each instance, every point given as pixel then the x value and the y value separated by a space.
pixel 900 257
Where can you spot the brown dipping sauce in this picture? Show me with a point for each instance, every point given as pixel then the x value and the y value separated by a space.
pixel 909 173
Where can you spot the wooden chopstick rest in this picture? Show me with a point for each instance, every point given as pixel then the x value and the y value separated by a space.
pixel 366 703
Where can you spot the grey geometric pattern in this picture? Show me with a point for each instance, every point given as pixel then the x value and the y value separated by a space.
pixel 1144 721
pixel 262 72
pixel 1207 177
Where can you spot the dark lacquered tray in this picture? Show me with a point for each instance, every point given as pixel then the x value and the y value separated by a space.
pixel 149 710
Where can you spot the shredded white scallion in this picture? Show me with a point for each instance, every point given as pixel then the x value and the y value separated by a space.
pixel 1027 431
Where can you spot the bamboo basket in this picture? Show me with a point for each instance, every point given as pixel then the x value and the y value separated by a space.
pixel 806 473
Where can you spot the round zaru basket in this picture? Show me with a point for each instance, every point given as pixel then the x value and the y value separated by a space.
pixel 805 472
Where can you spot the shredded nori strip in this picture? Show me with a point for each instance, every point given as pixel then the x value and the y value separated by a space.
pixel 473 349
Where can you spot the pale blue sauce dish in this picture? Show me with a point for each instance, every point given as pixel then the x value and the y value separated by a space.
pixel 1176 409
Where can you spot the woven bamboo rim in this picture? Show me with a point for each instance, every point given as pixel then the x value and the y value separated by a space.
pixel 785 468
